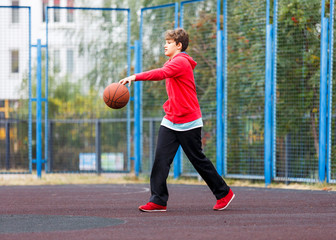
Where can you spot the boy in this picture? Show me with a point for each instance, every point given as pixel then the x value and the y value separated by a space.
pixel 181 125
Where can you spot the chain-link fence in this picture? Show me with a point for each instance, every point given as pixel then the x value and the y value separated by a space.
pixel 88 48
pixel 198 18
pixel 154 22
pixel 297 92
pixel 245 88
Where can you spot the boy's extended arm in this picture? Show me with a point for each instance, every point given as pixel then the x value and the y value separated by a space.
pixel 173 68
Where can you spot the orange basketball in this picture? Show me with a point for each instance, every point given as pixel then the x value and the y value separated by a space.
pixel 116 95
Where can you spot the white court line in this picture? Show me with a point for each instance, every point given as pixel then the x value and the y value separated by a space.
pixel 144 189
pixel 108 188
pixel 137 189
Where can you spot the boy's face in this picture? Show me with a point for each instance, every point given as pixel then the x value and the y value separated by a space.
pixel 171 48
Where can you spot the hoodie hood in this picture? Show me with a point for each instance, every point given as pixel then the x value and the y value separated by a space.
pixel 192 62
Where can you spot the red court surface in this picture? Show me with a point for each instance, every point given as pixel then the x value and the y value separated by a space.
pixel 111 212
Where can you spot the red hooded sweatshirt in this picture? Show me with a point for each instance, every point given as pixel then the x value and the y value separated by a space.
pixel 182 105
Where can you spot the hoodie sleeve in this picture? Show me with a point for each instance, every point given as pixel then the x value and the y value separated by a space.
pixel 172 68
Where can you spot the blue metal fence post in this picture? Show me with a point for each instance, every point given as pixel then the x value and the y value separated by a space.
pixel 128 113
pixel 225 82
pixel 178 156
pixel 219 93
pixel 219 82
pixel 30 122
pixel 98 146
pixel 323 99
pixel 268 108
pixel 137 111
pixel 330 88
pixel 176 25
pixel 46 124
pixel 218 14
pixel 274 84
pixel 178 163
pixel 7 123
pixel 39 111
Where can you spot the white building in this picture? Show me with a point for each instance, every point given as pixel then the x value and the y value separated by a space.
pixel 14 40
pixel 65 34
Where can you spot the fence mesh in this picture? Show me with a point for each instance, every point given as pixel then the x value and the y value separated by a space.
pixel 298 77
pixel 87 50
pixel 14 95
pixel 245 87
pixel 154 24
pixel 199 20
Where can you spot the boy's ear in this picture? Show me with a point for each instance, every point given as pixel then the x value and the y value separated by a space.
pixel 179 45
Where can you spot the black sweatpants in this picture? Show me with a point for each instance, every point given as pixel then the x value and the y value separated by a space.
pixel 167 145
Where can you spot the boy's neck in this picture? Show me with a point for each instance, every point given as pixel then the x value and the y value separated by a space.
pixel 177 52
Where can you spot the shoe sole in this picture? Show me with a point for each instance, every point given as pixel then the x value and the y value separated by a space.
pixel 220 209
pixel 160 210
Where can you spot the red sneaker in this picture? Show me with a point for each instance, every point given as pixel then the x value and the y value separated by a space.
pixel 224 202
pixel 152 207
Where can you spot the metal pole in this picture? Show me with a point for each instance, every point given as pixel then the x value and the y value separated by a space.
pixel 7 145
pixel 225 80
pixel 330 89
pixel 98 147
pixel 218 14
pixel 177 163
pixel 128 124
pixel 323 100
pixel 177 17
pixel 137 112
pixel 151 141
pixel 268 108
pixel 50 148
pixel 46 105
pixel 274 83
pixel 39 111
pixel 219 130
pixel 30 122
pixel 287 157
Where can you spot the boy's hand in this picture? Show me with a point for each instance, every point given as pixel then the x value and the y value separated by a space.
pixel 127 80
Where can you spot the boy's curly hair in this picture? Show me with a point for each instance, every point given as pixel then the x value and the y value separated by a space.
pixel 179 35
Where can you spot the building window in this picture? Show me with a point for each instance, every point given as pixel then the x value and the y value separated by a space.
pixel 2 115
pixel 15 61
pixel 70 64
pixel 15 11
pixel 57 61
pixel 44 4
pixel 70 12
pixel 2 103
pixel 56 11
